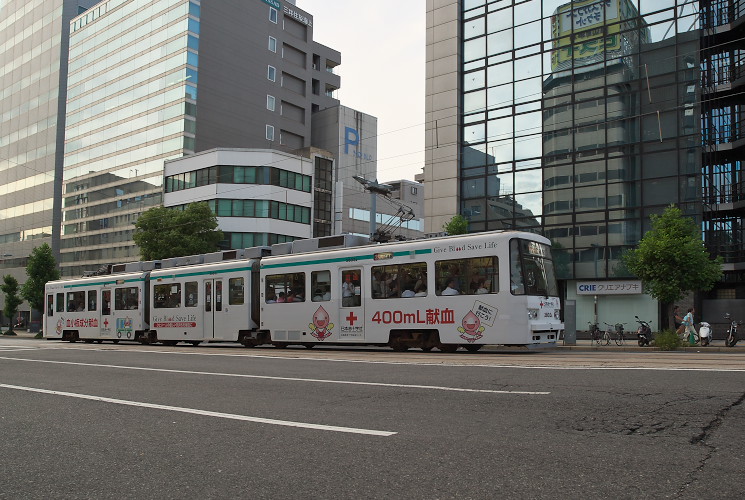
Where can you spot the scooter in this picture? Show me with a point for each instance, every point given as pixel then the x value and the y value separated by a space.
pixel 704 333
pixel 731 338
pixel 643 333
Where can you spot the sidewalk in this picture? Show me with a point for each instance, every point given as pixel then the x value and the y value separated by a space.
pixel 632 346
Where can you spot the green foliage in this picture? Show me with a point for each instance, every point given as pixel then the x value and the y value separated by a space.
pixel 163 232
pixel 41 268
pixel 671 259
pixel 457 225
pixel 12 300
pixel 667 340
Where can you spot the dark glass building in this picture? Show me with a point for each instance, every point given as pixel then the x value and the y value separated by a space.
pixel 581 119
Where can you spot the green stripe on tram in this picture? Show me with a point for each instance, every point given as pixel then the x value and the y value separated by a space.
pixel 204 273
pixel 108 282
pixel 347 260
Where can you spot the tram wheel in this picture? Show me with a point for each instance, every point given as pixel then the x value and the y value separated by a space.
pixel 427 348
pixel 473 347
pixel 448 347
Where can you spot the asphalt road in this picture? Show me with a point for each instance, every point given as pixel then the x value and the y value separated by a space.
pixel 130 421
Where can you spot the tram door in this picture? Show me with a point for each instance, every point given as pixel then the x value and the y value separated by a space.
pixel 212 306
pixel 352 312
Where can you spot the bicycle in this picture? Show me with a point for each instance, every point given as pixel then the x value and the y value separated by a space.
pixel 620 334
pixel 607 334
pixel 595 334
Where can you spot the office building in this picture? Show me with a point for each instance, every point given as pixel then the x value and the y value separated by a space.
pixel 151 81
pixel 581 119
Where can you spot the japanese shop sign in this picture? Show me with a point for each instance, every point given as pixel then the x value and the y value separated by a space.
pixel 609 287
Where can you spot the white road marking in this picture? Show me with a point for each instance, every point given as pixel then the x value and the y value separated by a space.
pixel 231 416
pixel 286 379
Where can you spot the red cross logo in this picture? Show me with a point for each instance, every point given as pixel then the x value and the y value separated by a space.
pixel 352 318
pixel 106 322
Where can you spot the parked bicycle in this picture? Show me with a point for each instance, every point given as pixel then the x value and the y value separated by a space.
pixel 595 333
pixel 620 334
pixel 731 338
pixel 607 335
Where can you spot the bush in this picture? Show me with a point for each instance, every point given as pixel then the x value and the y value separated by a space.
pixel 667 340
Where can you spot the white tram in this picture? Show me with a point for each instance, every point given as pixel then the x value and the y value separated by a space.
pixel 111 307
pixel 469 290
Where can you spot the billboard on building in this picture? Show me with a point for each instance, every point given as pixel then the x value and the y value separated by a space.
pixel 587 32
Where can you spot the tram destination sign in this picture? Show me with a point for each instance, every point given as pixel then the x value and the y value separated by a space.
pixel 630 287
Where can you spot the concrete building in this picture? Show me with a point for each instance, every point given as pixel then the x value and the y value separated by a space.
pixel 581 119
pixel 33 76
pixel 153 81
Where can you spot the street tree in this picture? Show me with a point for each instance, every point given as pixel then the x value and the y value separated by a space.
pixel 671 259
pixel 12 300
pixel 41 268
pixel 163 232
pixel 457 225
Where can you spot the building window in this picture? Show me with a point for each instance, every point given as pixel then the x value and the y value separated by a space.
pixel 272 44
pixel 273 15
pixel 269 132
pixel 271 73
pixel 270 102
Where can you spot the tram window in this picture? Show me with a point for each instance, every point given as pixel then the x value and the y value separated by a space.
pixel 50 305
pixel 218 295
pixel 235 291
pixel 167 296
pixel 60 302
pixel 285 288
pixel 208 296
pixel 75 301
pixel 192 293
pixel 320 284
pixel 92 300
pixel 106 302
pixel 405 280
pixel 474 276
pixel 351 291
pixel 125 298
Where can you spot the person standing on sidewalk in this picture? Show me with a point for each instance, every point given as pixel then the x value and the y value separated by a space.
pixel 689 332
pixel 677 320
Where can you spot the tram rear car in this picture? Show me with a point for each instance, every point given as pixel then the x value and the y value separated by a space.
pixel 111 307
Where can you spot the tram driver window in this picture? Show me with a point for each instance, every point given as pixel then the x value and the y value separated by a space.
pixel 476 276
pixel 50 305
pixel 60 302
pixel 92 300
pixel 106 302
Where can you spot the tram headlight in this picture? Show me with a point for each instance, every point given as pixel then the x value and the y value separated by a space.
pixel 532 313
pixel 557 313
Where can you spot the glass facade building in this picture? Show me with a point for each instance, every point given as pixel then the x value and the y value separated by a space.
pixel 580 119
pixel 132 90
pixel 33 63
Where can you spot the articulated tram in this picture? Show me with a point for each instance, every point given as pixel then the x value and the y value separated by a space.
pixel 471 290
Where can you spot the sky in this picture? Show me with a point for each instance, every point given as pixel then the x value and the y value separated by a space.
pixel 382 45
